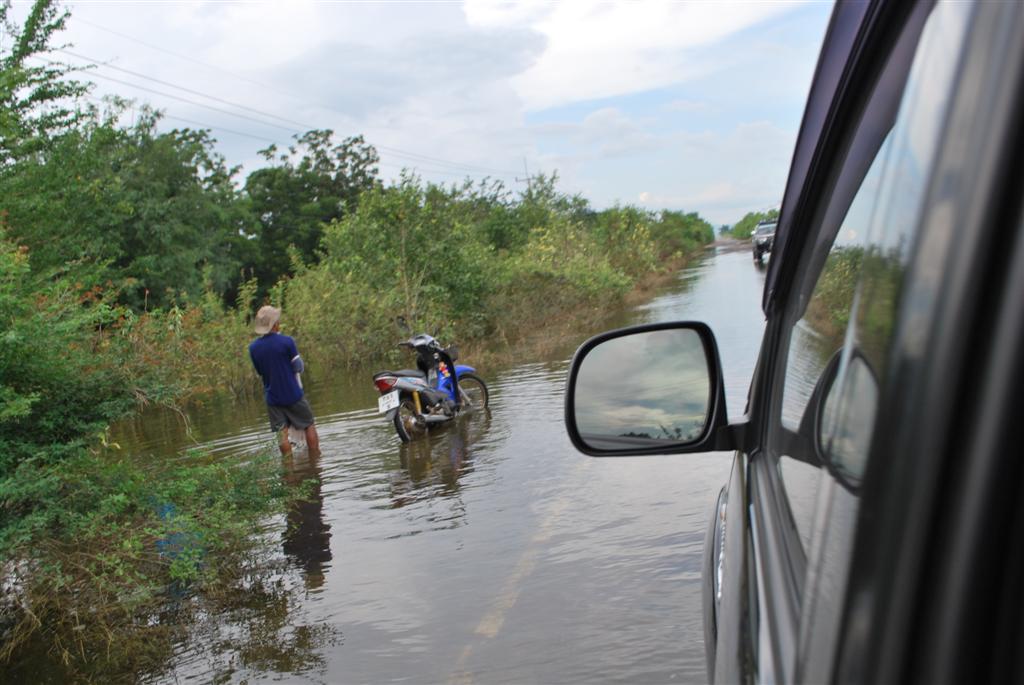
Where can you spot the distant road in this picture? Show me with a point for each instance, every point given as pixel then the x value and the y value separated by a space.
pixel 730 244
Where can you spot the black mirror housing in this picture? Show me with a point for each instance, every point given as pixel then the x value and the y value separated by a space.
pixel 648 389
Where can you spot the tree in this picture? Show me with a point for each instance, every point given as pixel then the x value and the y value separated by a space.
pixel 157 212
pixel 682 232
pixel 313 183
pixel 54 389
pixel 419 237
pixel 36 102
pixel 745 226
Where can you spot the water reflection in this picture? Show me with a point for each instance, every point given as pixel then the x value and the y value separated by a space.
pixel 433 465
pixel 492 525
pixel 307 537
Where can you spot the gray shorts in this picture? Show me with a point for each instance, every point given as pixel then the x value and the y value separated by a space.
pixel 298 415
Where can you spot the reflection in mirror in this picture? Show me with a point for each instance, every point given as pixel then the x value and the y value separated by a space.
pixel 644 389
pixel 848 419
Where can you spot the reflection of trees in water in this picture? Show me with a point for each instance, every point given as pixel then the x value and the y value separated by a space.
pixel 255 625
pixel 432 466
pixel 255 621
pixel 307 537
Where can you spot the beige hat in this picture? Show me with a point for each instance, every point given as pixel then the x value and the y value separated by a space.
pixel 266 317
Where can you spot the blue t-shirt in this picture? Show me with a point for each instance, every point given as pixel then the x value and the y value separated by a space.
pixel 274 355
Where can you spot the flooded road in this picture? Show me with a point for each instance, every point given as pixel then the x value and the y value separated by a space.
pixel 491 552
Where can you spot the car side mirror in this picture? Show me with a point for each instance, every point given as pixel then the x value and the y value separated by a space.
pixel 652 389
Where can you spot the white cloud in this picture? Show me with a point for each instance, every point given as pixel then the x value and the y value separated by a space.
pixel 600 50
pixel 465 82
pixel 715 193
pixel 730 175
pixel 722 176
pixel 686 106
pixel 603 133
pixel 491 14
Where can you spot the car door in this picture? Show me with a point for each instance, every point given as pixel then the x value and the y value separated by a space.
pixel 857 296
pixel 857 539
pixel 828 334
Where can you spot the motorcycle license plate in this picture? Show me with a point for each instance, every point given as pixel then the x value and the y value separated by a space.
pixel 386 403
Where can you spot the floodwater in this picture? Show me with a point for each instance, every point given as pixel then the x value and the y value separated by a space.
pixel 491 551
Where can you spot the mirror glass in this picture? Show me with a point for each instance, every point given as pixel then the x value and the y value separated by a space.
pixel 645 389
pixel 848 419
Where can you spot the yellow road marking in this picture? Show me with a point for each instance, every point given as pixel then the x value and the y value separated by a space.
pixel 490 625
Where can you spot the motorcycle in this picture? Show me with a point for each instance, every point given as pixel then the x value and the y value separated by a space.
pixel 434 393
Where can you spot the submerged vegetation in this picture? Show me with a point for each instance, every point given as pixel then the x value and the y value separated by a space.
pixel 131 260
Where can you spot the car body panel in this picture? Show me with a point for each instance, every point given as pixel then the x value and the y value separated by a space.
pixel 910 569
pixel 733 627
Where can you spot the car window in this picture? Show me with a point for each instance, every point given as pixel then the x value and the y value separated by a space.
pixel 835 354
pixel 819 333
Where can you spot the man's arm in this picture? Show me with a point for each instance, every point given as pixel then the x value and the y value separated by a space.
pixel 293 350
pixel 252 358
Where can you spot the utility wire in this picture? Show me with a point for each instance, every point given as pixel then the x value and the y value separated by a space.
pixel 438 160
pixel 415 157
pixel 205 125
pixel 218 128
pixel 186 100
pixel 107 65
pixel 184 57
pixel 424 169
pixel 393 150
pixel 165 115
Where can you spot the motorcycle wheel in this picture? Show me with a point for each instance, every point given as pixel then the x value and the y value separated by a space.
pixel 407 424
pixel 474 391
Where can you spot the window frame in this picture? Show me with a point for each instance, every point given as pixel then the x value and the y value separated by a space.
pixel 780 559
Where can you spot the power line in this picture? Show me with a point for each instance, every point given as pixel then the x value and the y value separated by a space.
pixel 107 65
pixel 425 170
pixel 218 128
pixel 165 115
pixel 205 125
pixel 416 157
pixel 186 100
pixel 183 57
pixel 438 160
pixel 393 150
pixel 528 180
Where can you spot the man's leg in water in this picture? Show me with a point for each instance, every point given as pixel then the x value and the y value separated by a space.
pixel 312 440
pixel 282 441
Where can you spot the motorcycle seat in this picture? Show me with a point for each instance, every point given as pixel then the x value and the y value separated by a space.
pixel 416 373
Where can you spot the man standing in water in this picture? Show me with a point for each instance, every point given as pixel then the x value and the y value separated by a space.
pixel 278 362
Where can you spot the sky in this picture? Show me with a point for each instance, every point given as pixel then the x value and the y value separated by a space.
pixel 644 385
pixel 689 106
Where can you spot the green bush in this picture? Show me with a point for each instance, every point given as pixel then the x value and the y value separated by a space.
pixel 743 228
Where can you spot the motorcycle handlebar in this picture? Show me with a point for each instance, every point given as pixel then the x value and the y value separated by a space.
pixel 433 347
